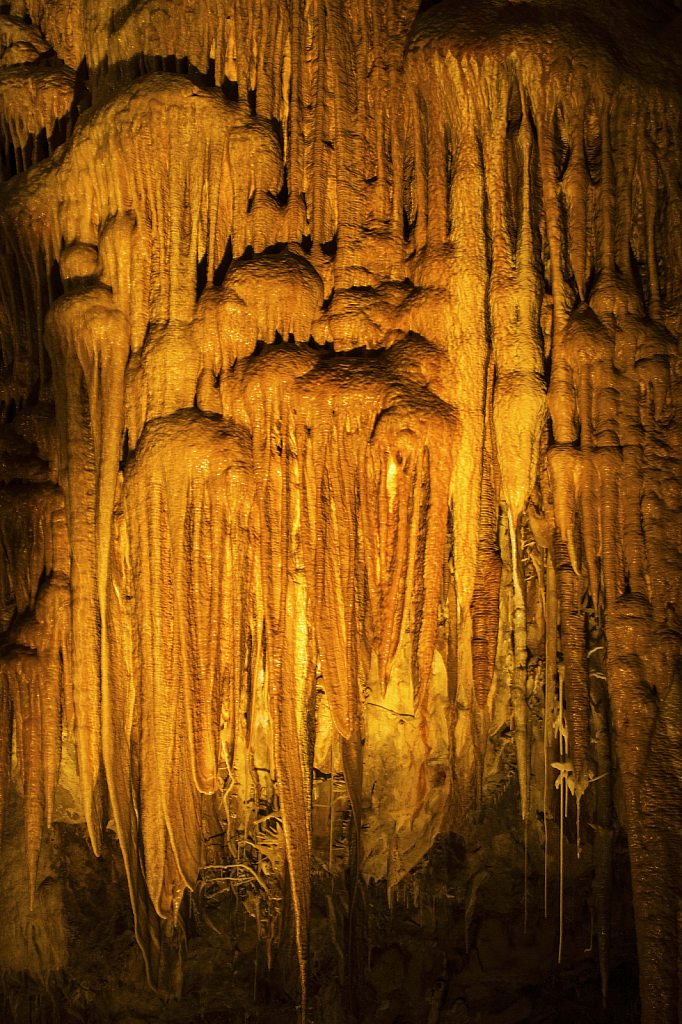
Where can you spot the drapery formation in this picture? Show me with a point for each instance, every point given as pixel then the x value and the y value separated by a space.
pixel 288 362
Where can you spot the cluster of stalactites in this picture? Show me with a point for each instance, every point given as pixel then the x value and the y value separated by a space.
pixel 334 152
pixel 616 500
pixel 185 511
pixel 331 470
pixel 34 613
pixel 600 150
pixel 378 452
pixel 569 176
pixel 34 543
pixel 526 206
pixel 33 101
pixel 36 702
pixel 104 189
pixel 349 487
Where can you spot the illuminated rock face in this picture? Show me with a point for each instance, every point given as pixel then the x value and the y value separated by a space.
pixel 341 448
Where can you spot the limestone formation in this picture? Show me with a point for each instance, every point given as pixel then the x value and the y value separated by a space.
pixel 340 466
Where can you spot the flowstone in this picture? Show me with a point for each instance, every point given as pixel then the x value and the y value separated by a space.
pixel 340 509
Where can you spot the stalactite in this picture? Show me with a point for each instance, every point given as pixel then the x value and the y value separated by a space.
pixel 550 701
pixel 135 169
pixel 120 726
pixel 289 678
pixel 185 539
pixel 33 698
pixel 90 448
pixel 519 695
pixel 463 286
pixel 576 689
pixel 486 597
pixel 603 846
pixel 22 670
pixel 33 543
pixel 6 728
pixel 285 624
pixel 259 298
pixel 33 100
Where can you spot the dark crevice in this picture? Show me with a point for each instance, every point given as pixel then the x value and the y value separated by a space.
pixel 408 226
pixel 273 249
pixel 125 451
pixel 589 284
pixel 282 196
pixel 326 348
pixel 329 248
pixel 9 162
pixel 58 137
pixel 230 90
pixel 278 129
pixel 224 265
pixel 56 286
pixel 41 149
pixel 82 75
pixel 202 274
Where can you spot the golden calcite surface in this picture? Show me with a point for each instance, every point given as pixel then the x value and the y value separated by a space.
pixel 340 462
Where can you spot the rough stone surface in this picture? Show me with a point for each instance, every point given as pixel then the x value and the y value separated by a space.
pixel 340 511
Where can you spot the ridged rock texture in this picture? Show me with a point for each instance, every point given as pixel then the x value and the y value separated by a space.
pixel 341 437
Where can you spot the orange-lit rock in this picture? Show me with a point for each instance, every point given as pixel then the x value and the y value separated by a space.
pixel 340 503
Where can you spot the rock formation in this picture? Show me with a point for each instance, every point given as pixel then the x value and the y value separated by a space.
pixel 341 499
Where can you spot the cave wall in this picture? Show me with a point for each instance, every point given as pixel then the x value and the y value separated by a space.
pixel 341 507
